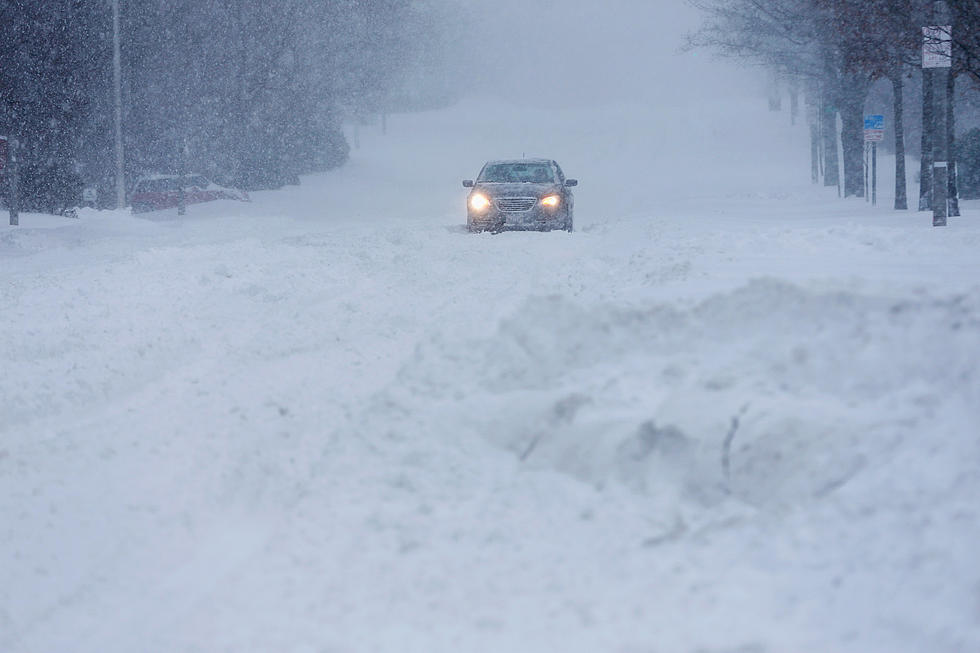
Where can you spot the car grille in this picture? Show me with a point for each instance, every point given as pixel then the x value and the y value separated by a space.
pixel 516 204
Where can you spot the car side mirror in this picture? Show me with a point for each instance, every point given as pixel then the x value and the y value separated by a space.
pixel 571 182
pixel 467 183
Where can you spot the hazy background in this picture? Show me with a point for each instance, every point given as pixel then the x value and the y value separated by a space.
pixel 255 95
pixel 560 53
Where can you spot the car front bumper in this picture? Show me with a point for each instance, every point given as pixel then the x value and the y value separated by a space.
pixel 536 219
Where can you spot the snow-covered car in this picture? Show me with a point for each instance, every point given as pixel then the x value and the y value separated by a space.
pixel 156 192
pixel 520 194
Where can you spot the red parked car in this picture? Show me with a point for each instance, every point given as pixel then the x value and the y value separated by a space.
pixel 158 192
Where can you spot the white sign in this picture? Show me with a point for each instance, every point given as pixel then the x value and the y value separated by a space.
pixel 874 135
pixel 937 47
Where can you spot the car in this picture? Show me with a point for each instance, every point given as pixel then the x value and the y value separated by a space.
pixel 157 192
pixel 520 195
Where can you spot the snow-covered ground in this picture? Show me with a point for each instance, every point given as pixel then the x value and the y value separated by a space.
pixel 731 412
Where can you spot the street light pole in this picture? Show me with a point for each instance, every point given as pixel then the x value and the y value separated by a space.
pixel 13 172
pixel 940 166
pixel 117 92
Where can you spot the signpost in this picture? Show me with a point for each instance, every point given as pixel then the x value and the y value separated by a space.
pixel 874 129
pixel 874 133
pixel 937 52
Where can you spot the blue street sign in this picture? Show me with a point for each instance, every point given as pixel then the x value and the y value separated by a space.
pixel 874 122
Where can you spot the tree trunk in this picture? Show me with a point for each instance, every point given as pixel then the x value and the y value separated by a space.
pixel 812 102
pixel 828 121
pixel 925 163
pixel 901 186
pixel 821 141
pixel 773 90
pixel 794 99
pixel 953 198
pixel 814 152
pixel 852 135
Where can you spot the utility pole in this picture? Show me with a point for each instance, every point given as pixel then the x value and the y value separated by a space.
pixel 12 166
pixel 937 54
pixel 901 189
pixel 241 43
pixel 926 157
pixel 117 92
pixel 954 200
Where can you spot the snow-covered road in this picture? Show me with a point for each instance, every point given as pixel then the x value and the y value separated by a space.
pixel 729 413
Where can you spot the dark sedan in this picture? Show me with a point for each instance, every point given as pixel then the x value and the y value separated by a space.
pixel 520 194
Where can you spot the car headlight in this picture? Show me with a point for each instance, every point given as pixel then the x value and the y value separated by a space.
pixel 479 201
pixel 551 201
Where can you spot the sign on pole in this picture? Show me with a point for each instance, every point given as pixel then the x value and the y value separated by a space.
pixel 937 46
pixel 874 129
pixel 874 133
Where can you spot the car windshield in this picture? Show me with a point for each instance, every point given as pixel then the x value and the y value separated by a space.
pixel 527 173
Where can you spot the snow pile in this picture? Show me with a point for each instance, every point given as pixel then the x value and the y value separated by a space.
pixel 834 431
pixel 773 394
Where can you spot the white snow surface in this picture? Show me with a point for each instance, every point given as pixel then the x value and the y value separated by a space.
pixel 730 413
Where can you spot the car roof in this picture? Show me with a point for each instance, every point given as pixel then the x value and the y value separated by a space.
pixel 508 161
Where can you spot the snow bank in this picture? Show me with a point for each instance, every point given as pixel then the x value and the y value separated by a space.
pixel 773 394
pixel 829 429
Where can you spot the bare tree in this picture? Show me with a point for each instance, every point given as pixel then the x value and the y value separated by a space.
pixel 840 47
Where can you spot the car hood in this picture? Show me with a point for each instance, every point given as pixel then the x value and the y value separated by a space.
pixel 517 190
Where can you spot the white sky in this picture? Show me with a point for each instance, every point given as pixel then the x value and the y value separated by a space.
pixel 583 51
